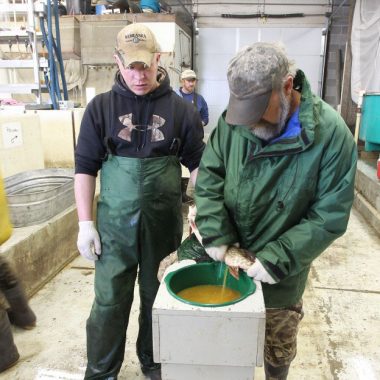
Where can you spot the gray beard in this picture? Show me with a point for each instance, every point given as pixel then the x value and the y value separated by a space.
pixel 267 131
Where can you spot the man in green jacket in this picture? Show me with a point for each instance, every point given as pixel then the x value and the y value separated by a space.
pixel 276 178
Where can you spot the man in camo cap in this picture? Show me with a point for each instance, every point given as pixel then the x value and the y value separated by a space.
pixel 276 177
pixel 250 94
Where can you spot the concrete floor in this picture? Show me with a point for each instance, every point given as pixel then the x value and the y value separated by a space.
pixel 338 338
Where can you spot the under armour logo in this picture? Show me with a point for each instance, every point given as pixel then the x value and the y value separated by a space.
pixel 126 133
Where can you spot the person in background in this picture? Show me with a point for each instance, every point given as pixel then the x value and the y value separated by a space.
pixel 187 91
pixel 62 10
pixel 150 6
pixel 19 312
pixel 276 179
pixel 138 134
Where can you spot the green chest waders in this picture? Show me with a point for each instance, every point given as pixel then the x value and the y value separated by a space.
pixel 140 222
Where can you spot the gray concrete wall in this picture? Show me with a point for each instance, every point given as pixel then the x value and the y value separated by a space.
pixel 367 193
pixel 38 253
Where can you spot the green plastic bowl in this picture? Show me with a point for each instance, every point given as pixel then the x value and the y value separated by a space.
pixel 208 274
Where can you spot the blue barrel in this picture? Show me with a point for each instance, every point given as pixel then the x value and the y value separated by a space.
pixel 370 121
pixel 100 9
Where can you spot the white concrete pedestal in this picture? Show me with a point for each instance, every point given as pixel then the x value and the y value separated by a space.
pixel 208 343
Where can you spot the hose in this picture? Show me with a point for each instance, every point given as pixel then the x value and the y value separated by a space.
pixel 47 80
pixel 263 15
pixel 53 77
pixel 58 51
pixel 54 55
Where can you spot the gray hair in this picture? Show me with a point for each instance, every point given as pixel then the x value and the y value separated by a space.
pixel 278 82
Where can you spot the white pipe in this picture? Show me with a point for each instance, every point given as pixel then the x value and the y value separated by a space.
pixel 358 116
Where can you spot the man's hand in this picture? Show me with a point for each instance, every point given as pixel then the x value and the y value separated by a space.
pixel 88 242
pixel 191 218
pixel 217 253
pixel 258 272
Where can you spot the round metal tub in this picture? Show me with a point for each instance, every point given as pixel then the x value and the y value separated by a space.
pixel 36 196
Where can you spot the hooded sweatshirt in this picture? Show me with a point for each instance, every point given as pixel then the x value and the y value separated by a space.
pixel 157 124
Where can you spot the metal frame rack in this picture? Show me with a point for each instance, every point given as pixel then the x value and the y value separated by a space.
pixel 29 37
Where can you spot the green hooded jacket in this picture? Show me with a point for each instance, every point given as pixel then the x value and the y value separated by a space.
pixel 286 202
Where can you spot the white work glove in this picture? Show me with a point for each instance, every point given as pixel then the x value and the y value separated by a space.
pixel 217 253
pixel 191 218
pixel 88 242
pixel 259 273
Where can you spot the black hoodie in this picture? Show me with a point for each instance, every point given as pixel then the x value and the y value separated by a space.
pixel 157 124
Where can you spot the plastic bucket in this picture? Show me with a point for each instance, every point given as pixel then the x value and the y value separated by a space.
pixel 208 274
pixel 370 121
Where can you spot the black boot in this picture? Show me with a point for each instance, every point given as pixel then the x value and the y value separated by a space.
pixel 20 313
pixel 275 373
pixel 152 372
pixel 8 351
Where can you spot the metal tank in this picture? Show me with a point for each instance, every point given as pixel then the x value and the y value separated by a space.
pixel 38 195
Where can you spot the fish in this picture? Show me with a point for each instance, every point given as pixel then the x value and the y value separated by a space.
pixel 235 258
pixel 165 263
pixel 238 258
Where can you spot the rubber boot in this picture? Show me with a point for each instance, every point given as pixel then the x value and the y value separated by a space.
pixel 154 374
pixel 275 373
pixel 20 313
pixel 8 351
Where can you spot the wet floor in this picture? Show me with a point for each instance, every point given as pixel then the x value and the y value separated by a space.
pixel 338 338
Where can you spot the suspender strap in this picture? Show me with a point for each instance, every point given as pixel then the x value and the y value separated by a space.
pixel 176 144
pixel 106 135
pixel 195 100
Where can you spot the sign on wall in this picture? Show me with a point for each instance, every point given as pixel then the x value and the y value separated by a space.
pixel 12 134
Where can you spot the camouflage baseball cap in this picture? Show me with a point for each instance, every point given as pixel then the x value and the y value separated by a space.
pixel 136 43
pixel 251 75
